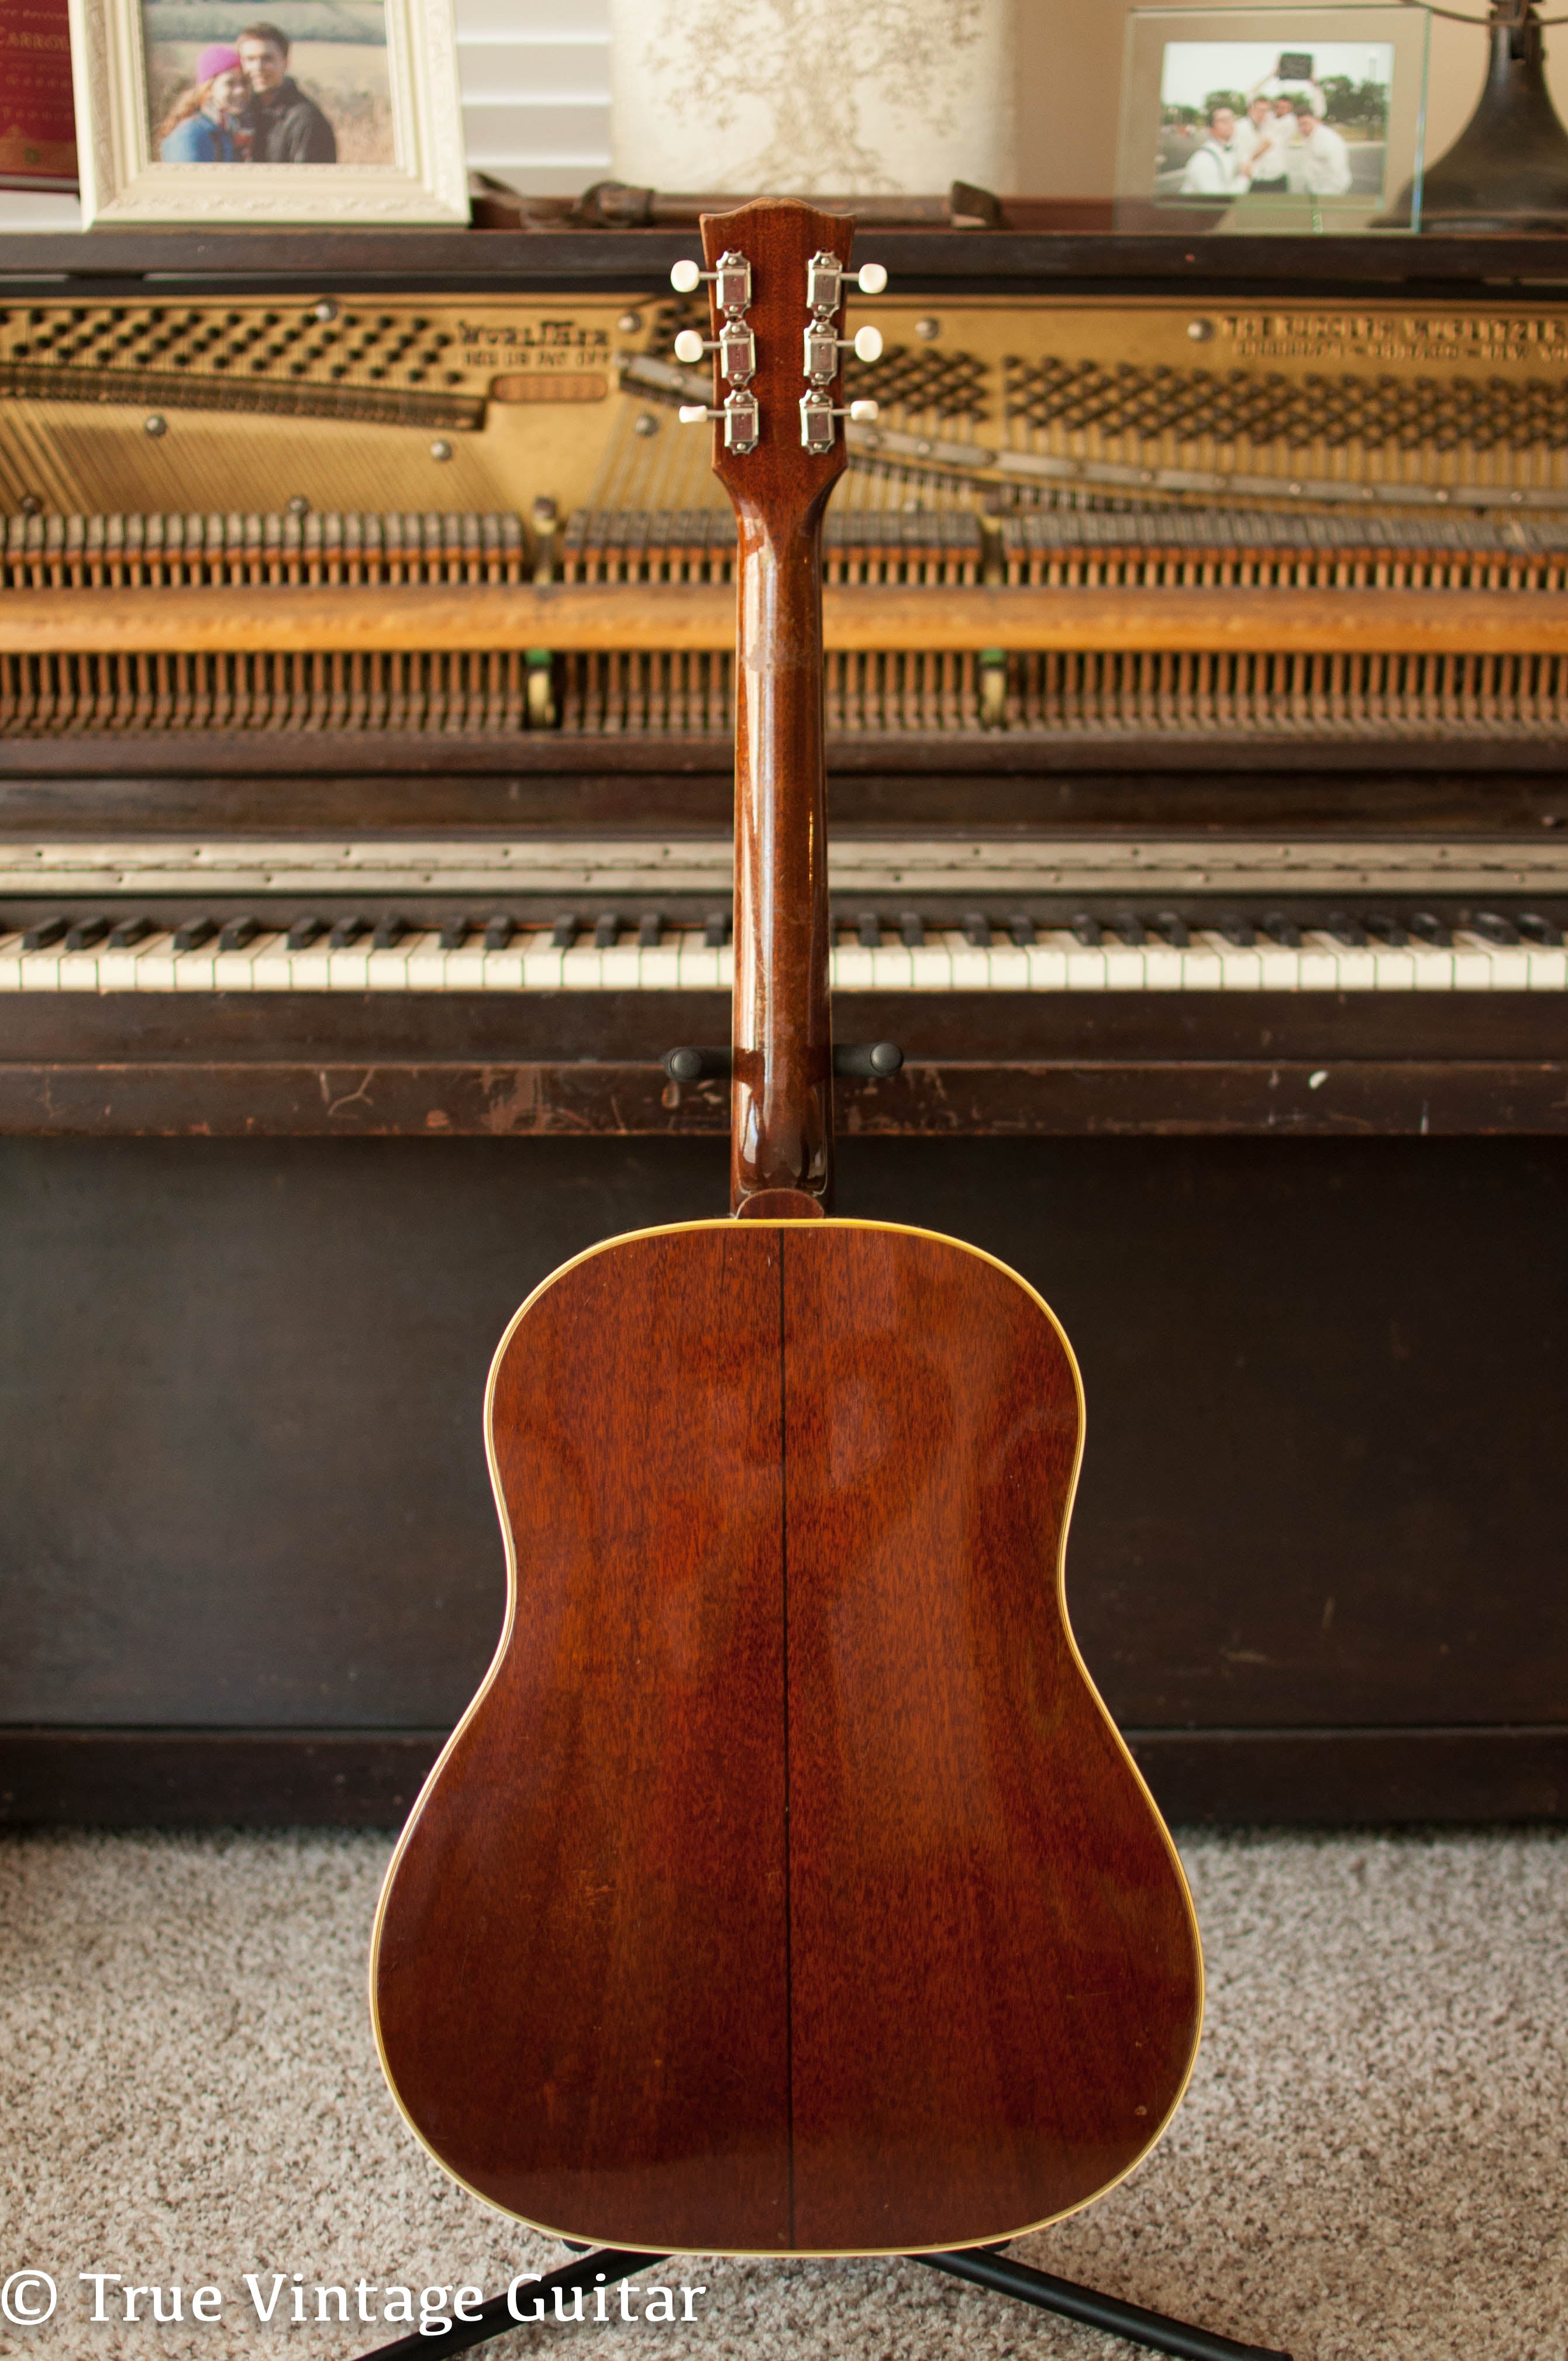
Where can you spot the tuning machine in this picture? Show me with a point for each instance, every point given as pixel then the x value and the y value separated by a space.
pixel 823 348
pixel 735 344
pixel 732 282
pixel 825 282
pixel 818 414
pixel 738 416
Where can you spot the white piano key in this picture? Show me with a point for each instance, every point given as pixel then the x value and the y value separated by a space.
pixel 466 968
pixel 851 967
pixel 196 971
pixel 1434 967
pixel 1357 967
pixel 1162 968
pixel 581 969
pixel 1318 963
pixel 1202 968
pixel 272 967
pixel 387 970
pixel 1085 968
pixel 1396 969
pixel 312 968
pixel 11 957
pixel 1124 967
pixel 427 962
pixel 349 970
pixel 1013 969
pixel 236 971
pixel 40 970
pixel 659 969
pixel 620 970
pixel 541 965
pixel 503 969
pixel 934 968
pixel 1241 964
pixel 78 971
pixel 1548 969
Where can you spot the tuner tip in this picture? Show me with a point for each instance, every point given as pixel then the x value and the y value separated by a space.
pixel 688 346
pixel 872 279
pixel 868 344
pixel 861 412
pixel 685 277
pixel 691 413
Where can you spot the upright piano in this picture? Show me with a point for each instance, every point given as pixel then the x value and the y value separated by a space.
pixel 1196 691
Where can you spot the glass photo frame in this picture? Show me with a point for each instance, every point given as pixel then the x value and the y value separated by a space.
pixel 1247 120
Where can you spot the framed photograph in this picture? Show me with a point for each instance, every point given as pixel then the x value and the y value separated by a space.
pixel 1272 118
pixel 335 111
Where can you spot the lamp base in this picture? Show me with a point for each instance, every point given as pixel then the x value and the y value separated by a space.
pixel 1508 170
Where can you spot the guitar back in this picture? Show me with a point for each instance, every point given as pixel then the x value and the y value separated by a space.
pixel 786 1889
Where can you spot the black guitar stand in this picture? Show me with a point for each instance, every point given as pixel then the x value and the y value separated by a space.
pixel 985 2267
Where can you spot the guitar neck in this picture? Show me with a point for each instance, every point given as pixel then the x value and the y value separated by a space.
pixel 776 272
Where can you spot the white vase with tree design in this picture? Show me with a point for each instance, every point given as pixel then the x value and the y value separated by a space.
pixel 812 97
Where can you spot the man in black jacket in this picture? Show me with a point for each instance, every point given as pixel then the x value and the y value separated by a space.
pixel 286 127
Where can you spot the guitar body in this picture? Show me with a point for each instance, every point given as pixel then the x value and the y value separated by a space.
pixel 786 1889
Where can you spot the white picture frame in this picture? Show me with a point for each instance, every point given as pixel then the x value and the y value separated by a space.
pixel 123 181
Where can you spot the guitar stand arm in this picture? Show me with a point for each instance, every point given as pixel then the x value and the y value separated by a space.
pixel 985 2267
pixel 982 2265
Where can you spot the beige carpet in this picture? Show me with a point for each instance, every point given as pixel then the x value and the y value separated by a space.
pixel 1371 2160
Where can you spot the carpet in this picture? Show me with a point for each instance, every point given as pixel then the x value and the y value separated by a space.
pixel 1370 2161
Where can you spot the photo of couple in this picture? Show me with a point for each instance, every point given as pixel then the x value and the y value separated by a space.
pixel 1238 122
pixel 305 85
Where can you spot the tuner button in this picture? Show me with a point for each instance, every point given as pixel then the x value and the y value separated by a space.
pixel 688 345
pixel 861 412
pixel 872 279
pixel 693 413
pixel 685 277
pixel 868 344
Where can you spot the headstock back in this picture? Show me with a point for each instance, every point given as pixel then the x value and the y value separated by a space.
pixel 778 481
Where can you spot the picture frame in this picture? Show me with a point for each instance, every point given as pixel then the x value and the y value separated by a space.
pixel 1273 119
pixel 347 112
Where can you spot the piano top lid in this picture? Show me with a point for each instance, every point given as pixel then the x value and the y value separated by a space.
pixel 1180 264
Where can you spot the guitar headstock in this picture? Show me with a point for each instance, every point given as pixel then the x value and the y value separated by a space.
pixel 777 275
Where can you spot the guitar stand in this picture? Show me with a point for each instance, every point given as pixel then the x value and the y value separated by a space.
pixel 985 2267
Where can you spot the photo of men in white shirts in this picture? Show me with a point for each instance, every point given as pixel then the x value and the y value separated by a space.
pixel 1267 130
pixel 1212 170
pixel 1318 158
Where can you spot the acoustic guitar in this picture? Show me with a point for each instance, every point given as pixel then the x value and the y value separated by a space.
pixel 786 1888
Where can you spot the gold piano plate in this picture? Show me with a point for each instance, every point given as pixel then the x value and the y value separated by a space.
pixel 387 402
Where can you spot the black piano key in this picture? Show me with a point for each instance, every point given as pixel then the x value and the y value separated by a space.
pixel 1537 929
pixel 715 930
pixel 1172 927
pixel 1428 927
pixel 977 930
pixel 237 933
pixel 347 932
pixel 563 933
pixel 867 927
pixel 1232 929
pixel 1023 929
pixel 390 932
pixel 499 932
pixel 84 933
pixel 44 931
pixel 454 932
pixel 1346 928
pixel 607 927
pixel 1127 928
pixel 191 933
pixel 129 932
pixel 650 927
pixel 1385 928
pixel 1493 928
pixel 304 933
pixel 912 930
pixel 1087 930
pixel 1282 930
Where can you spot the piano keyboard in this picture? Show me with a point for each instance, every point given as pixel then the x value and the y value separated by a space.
pixel 244 957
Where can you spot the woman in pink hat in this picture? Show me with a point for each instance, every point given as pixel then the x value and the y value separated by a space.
pixel 202 127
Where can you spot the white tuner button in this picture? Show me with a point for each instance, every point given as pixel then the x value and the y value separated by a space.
pixel 861 412
pixel 685 277
pixel 870 279
pixel 690 345
pixel 868 344
pixel 693 413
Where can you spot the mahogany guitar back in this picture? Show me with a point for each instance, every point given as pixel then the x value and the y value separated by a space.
pixel 786 1889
